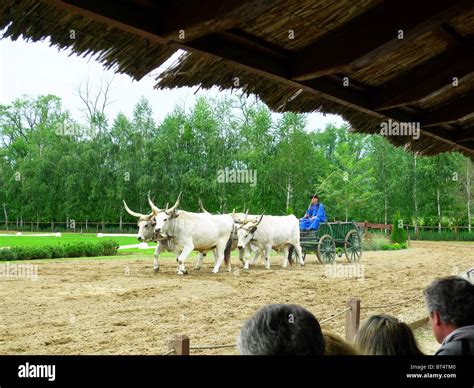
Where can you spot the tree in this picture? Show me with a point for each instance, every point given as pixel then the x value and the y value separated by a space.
pixel 51 170
pixel 95 102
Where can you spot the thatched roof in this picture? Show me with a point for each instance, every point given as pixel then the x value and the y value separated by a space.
pixel 367 60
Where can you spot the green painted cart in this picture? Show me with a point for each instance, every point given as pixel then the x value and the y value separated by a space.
pixel 330 239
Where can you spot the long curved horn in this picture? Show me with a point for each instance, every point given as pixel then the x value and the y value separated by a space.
pixel 175 206
pixel 131 212
pixel 245 218
pixel 202 207
pixel 154 209
pixel 260 220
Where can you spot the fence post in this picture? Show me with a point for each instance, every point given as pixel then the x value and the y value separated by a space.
pixel 352 319
pixel 180 344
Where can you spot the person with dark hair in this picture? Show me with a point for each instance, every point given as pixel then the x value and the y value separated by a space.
pixel 281 329
pixel 450 304
pixel 314 215
pixel 384 335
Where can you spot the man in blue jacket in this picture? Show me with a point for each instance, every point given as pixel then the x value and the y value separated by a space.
pixel 314 215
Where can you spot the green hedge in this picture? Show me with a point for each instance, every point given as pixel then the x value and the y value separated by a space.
pixel 394 247
pixel 444 235
pixel 79 249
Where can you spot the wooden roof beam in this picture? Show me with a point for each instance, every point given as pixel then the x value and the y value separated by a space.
pixel 465 135
pixel 427 78
pixel 372 34
pixel 256 44
pixel 115 14
pixel 450 34
pixel 450 113
pixel 197 18
pixel 169 19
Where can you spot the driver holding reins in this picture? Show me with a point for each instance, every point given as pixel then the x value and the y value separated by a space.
pixel 314 215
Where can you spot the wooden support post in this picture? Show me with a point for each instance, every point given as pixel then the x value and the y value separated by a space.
pixel 419 323
pixel 352 319
pixel 408 237
pixel 180 344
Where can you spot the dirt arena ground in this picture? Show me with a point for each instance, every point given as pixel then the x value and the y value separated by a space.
pixel 119 306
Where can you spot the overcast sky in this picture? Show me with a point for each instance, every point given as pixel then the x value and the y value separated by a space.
pixel 38 69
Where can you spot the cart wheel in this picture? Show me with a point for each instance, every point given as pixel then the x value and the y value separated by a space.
pixel 353 246
pixel 317 255
pixel 326 251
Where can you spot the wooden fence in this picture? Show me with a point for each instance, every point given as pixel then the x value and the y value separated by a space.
pixel 104 226
pixel 368 225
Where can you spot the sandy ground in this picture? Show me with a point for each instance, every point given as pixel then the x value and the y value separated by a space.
pixel 425 339
pixel 119 306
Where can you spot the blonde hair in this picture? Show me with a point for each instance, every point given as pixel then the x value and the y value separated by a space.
pixel 386 335
pixel 336 346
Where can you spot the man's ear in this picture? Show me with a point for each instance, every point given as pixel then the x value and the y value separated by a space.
pixel 436 318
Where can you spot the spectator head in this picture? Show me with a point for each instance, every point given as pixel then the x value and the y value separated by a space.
pixel 386 335
pixel 336 346
pixel 281 329
pixel 450 304
pixel 314 199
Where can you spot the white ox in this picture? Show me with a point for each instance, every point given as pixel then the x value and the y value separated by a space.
pixel 271 232
pixel 239 219
pixel 146 233
pixel 201 232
